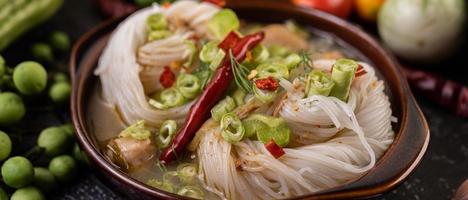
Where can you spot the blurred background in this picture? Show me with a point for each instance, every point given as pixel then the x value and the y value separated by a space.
pixel 429 38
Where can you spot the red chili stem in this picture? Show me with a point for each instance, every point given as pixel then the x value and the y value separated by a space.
pixel 214 91
pixel 447 93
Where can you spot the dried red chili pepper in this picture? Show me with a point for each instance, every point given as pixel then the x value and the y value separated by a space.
pixel 220 3
pixel 446 93
pixel 269 84
pixel 213 92
pixel 115 8
pixel 275 150
pixel 167 77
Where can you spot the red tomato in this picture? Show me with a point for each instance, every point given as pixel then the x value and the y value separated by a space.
pixel 340 8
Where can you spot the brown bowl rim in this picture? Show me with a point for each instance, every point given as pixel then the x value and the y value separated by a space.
pixel 403 88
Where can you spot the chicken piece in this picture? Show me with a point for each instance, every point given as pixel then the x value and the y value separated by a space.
pixel 277 34
pixel 130 153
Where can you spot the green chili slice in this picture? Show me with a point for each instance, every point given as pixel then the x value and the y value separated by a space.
pixel 343 75
pixel 224 106
pixel 192 192
pixel 318 83
pixel 268 128
pixel 137 131
pixel 166 133
pixel 188 85
pixel 274 70
pixel 232 129
pixel 187 172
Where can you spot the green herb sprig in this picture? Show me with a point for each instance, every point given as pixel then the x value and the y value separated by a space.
pixel 240 74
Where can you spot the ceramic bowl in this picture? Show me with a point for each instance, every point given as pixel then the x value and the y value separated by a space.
pixel 402 157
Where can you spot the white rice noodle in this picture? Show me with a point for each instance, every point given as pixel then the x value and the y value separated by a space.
pixel 119 71
pixel 191 15
pixel 340 141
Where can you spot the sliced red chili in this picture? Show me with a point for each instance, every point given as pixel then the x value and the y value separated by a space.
pixel 275 150
pixel 360 71
pixel 167 77
pixel 220 3
pixel 230 41
pixel 269 84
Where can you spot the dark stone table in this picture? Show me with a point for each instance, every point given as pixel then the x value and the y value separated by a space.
pixel 443 169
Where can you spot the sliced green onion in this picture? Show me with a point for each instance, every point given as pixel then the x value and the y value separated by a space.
pixel 137 131
pixel 217 59
pixel 224 106
pixel 188 85
pixel 274 70
pixel 263 95
pixel 166 133
pixel 160 185
pixel 223 22
pixel 203 73
pixel 169 98
pixel 239 96
pixel 318 83
pixel 232 129
pixel 278 129
pixel 193 52
pixel 260 54
pixel 292 60
pixel 187 172
pixel 253 126
pixel 278 51
pixel 156 22
pixel 158 35
pixel 192 192
pixel 209 51
pixel 343 75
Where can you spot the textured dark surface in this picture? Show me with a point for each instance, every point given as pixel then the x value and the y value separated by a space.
pixel 444 167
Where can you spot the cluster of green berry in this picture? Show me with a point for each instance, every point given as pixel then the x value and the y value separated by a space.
pixel 55 157
pixel 53 144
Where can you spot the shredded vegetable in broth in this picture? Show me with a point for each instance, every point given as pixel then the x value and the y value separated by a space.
pixel 197 102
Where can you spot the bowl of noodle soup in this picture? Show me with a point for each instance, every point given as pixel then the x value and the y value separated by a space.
pixel 130 95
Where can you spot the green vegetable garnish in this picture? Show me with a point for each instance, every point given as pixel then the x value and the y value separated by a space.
pixel 240 74
pixel 192 192
pixel 188 85
pixel 274 70
pixel 187 172
pixel 193 52
pixel 169 98
pixel 161 185
pixel 166 133
pixel 263 95
pixel 204 73
pixel 158 35
pixel 318 83
pixel 232 129
pixel 156 22
pixel 224 106
pixel 223 22
pixel 343 75
pixel 209 51
pixel 137 131
pixel 268 128
pixel 239 96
